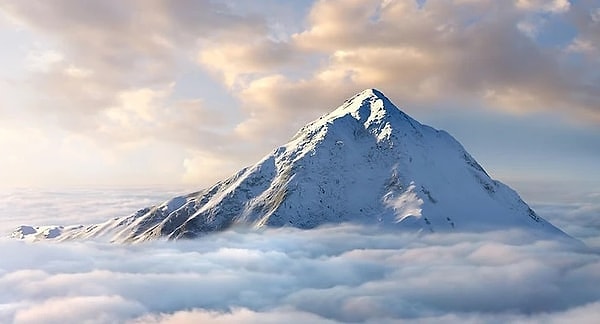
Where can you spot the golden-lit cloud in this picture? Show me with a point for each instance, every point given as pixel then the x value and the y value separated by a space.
pixel 143 115
pixel 450 49
pixel 555 6
pixel 207 167
pixel 232 80
pixel 477 51
pixel 232 61
pixel 101 49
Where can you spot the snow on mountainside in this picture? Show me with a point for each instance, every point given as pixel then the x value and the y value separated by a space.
pixel 366 162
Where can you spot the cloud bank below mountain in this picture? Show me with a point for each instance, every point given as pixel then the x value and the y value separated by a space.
pixel 335 274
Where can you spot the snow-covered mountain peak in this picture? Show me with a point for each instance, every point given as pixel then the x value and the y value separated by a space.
pixel 370 103
pixel 373 111
pixel 365 95
pixel 365 162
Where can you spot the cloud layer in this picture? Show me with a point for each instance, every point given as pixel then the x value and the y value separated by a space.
pixel 74 206
pixel 328 275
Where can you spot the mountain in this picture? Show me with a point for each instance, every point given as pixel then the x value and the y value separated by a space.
pixel 366 162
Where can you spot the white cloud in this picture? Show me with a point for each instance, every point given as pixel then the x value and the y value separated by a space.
pixel 580 218
pixel 553 6
pixel 80 309
pixel 254 57
pixel 206 76
pixel 145 114
pixel 74 206
pixel 475 53
pixel 77 72
pixel 42 61
pixel 595 14
pixel 328 275
pixel 237 315
pixel 335 274
pixel 106 49
pixel 581 46
pixel 207 167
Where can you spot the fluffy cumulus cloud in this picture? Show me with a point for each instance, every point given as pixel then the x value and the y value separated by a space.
pixel 505 55
pixel 418 50
pixel 329 275
pixel 103 52
pixel 338 274
pixel 472 49
pixel 232 80
pixel 118 74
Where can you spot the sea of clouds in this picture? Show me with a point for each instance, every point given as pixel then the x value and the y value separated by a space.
pixel 335 274
pixel 74 206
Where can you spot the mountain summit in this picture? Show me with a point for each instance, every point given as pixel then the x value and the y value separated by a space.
pixel 366 162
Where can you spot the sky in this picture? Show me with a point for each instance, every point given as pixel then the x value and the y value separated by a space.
pixel 110 106
pixel 184 93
